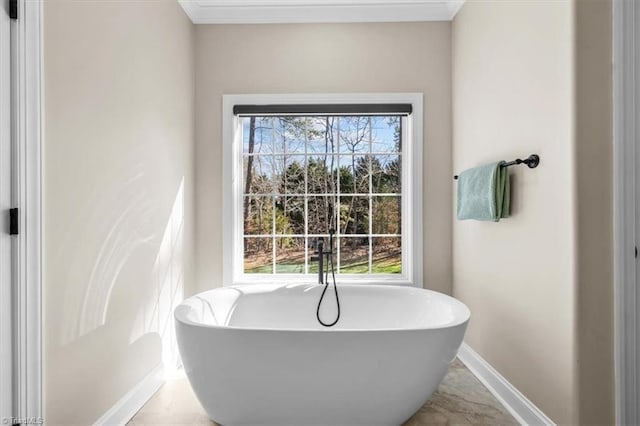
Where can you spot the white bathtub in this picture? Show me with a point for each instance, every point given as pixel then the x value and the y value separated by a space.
pixel 256 355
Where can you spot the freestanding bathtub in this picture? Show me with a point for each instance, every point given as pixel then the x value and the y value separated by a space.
pixel 256 355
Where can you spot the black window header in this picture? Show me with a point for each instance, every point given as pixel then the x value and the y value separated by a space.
pixel 323 109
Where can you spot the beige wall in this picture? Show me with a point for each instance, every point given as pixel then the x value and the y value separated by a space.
pixel 233 59
pixel 512 96
pixel 119 179
pixel 534 77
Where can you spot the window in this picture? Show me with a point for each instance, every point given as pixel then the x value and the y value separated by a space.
pixel 299 170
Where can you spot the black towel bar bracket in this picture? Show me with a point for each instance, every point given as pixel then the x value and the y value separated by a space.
pixel 532 162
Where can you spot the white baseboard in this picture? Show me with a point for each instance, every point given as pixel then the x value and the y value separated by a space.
pixel 132 401
pixel 524 411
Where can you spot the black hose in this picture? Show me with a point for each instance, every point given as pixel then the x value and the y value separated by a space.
pixel 326 285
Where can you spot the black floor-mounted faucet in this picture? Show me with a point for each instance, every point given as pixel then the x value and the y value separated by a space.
pixel 321 254
pixel 320 262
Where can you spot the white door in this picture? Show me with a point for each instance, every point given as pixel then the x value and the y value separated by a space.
pixel 6 339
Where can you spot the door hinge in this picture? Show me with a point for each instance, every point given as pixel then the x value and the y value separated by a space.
pixel 13 9
pixel 14 227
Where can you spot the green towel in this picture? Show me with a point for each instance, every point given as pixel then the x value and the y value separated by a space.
pixel 483 193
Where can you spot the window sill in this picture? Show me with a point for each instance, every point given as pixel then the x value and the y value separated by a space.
pixel 312 279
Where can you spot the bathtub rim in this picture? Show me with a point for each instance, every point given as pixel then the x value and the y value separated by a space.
pixel 181 310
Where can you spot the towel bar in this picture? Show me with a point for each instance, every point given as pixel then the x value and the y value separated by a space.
pixel 532 161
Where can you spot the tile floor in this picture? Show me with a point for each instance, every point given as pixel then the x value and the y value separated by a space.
pixel 460 400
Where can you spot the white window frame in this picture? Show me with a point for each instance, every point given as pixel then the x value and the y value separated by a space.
pixel 412 187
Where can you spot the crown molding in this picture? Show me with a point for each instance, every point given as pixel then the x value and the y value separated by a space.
pixel 318 11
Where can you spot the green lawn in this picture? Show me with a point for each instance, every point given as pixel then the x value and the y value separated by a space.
pixel 381 264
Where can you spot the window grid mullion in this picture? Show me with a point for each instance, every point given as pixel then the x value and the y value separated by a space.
pixel 339 190
pixel 306 202
pixel 302 154
pixel 273 202
pixel 370 199
pixel 347 236
pixel 388 194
